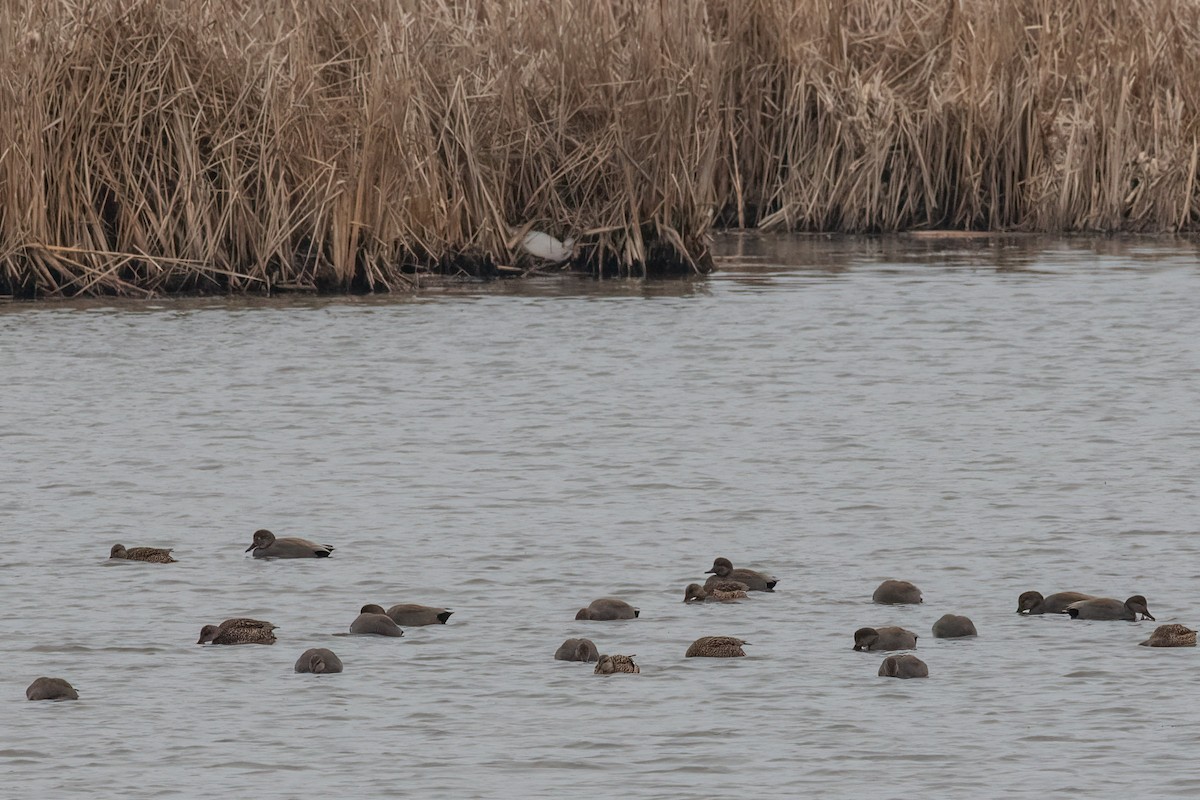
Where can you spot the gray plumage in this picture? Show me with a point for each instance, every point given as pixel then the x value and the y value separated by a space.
pixel 1109 608
pixel 954 626
pixel 151 555
pixel 238 630
pixel 905 666
pixel 411 615
pixel 318 661
pixel 896 593
pixel 609 665
pixel 1171 636
pixel 51 689
pixel 371 620
pixel 608 608
pixel 886 638
pixel 1033 602
pixel 720 592
pixel 267 545
pixel 716 647
pixel 722 570
pixel 577 650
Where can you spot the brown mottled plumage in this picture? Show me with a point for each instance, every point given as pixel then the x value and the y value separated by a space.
pixel 1171 636
pixel 716 647
pixel 238 630
pixel 152 555
pixel 720 592
pixel 905 666
pixel 607 665
pixel 51 689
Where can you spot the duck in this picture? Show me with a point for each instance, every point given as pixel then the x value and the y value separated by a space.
pixel 887 638
pixel 318 661
pixel 719 592
pixel 608 665
pixel 1033 602
pixel 372 620
pixel 896 593
pixel 906 666
pixel 1171 636
pixel 151 555
pixel 411 615
pixel 716 647
pixel 954 626
pixel 722 570
pixel 608 608
pixel 1108 608
pixel 577 650
pixel 238 630
pixel 51 689
pixel 266 545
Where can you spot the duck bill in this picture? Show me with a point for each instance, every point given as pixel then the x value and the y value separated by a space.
pixel 251 547
pixel 1146 615
pixel 710 571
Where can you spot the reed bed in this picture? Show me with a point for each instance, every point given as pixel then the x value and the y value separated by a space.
pixel 153 146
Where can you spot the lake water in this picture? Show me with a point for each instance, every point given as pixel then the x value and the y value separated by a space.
pixel 978 417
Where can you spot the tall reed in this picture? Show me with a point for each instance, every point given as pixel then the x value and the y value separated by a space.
pixel 170 145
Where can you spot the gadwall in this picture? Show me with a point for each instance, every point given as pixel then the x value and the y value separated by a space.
pixel 905 666
pixel 411 615
pixel 266 545
pixel 954 626
pixel 1034 603
pixel 1108 608
pixel 722 570
pixel 152 555
pixel 887 638
pixel 319 661
pixel 896 593
pixel 51 689
pixel 238 630
pixel 372 620
pixel 577 650
pixel 716 647
pixel 720 592
pixel 607 665
pixel 607 608
pixel 1171 636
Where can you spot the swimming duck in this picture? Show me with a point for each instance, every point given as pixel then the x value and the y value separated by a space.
pixel 887 638
pixel 896 592
pixel 954 626
pixel 905 666
pixel 1171 636
pixel 1034 603
pixel 318 661
pixel 1108 608
pixel 371 619
pixel 608 608
pixel 238 630
pixel 266 545
pixel 151 555
pixel 722 570
pixel 411 615
pixel 716 647
pixel 607 665
pixel 51 689
pixel 577 650
pixel 719 592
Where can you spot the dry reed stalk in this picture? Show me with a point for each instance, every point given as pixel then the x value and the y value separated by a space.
pixel 169 146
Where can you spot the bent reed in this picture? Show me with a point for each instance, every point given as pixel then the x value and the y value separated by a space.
pixel 158 146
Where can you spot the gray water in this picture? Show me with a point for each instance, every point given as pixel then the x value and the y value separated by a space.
pixel 980 418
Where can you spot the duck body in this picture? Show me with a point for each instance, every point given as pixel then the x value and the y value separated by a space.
pixel 151 555
pixel 318 661
pixel 905 666
pixel 372 621
pixel 411 615
pixel 1171 636
pixel 886 638
pixel 954 626
pixel 896 593
pixel 1110 609
pixel 611 665
pixel 721 591
pixel 722 570
pixel 238 630
pixel 268 545
pixel 1033 603
pixel 577 650
pixel 608 608
pixel 51 689
pixel 716 647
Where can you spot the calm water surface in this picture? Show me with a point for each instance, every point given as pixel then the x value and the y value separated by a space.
pixel 980 418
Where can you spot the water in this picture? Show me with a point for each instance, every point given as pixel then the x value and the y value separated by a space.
pixel 980 418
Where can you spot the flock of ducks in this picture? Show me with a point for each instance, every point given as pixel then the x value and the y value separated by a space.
pixel 725 585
